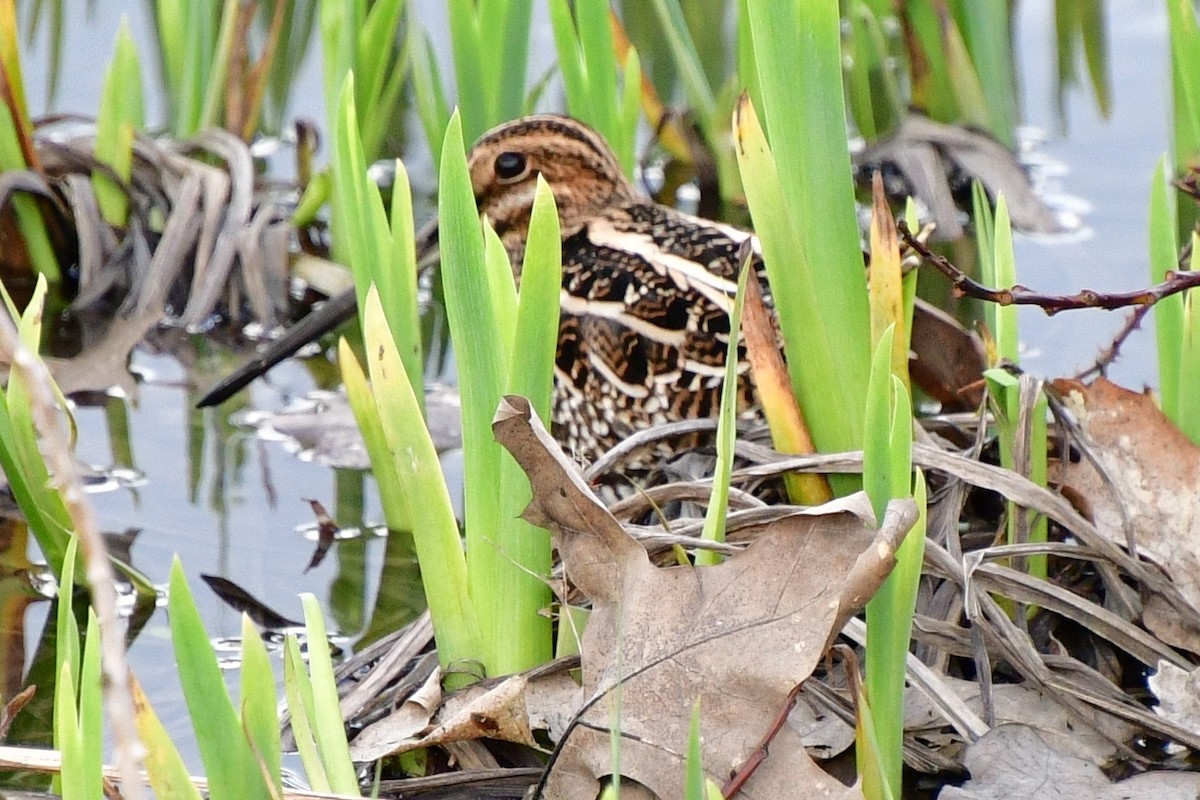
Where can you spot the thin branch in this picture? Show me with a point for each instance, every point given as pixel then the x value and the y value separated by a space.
pixel 1109 354
pixel 965 286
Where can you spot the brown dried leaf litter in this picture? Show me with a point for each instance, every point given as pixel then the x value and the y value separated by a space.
pixel 729 634
pixel 738 636
pixel 1140 484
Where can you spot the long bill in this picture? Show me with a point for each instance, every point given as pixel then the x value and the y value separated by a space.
pixel 321 320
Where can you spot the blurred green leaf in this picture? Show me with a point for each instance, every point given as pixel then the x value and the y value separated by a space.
pixel 299 691
pixel 1185 81
pixel 588 62
pixel 229 763
pixel 1189 363
pixel 986 27
pixel 121 116
pixel 327 721
pixel 1169 311
pixel 167 773
pixel 259 719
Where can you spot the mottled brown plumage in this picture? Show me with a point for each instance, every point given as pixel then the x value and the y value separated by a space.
pixel 646 289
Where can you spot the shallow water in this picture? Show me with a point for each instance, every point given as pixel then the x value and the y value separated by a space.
pixel 230 504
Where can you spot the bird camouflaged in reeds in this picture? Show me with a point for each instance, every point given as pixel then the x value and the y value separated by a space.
pixel 646 289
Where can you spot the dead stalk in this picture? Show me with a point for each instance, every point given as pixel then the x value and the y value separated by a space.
pixel 128 750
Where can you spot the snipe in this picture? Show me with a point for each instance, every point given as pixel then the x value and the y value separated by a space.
pixel 646 289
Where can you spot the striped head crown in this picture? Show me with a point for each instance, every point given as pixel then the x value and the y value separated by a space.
pixel 580 167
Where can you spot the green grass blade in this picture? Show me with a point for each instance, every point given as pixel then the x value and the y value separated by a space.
pixel 1168 312
pixel 299 691
pixel 382 72
pixel 376 43
pixel 687 60
pixel 986 26
pixel 167 773
pixel 328 726
pixel 170 28
pixel 378 253
pixel 933 91
pixel 825 378
pixel 66 626
pixel 398 283
pixel 339 25
pixel 887 474
pixel 432 107
pixel 91 711
pixel 812 160
pixel 566 40
pixel 1189 364
pixel 694 780
pixel 356 221
pixel 259 719
pixel 73 779
pixel 476 333
pixel 121 114
pixel 67 662
pixel 377 127
pixel 197 41
pixel 588 62
pixel 521 589
pixel 33 488
pixel 508 60
pixel 230 765
pixel 878 475
pixel 1003 272
pixel 1094 32
pixel 872 769
pixel 437 542
pixel 600 64
pixel 503 288
pixel 1185 85
pixel 366 415
pixel 628 108
pixel 467 43
pixel 214 84
pixel 718 502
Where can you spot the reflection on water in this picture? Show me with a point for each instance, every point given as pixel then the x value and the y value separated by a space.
pixel 229 504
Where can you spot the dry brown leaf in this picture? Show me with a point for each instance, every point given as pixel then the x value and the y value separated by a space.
pixel 499 713
pixel 737 636
pixel 406 723
pixel 947 360
pixel 1155 470
pixel 1021 703
pixel 1016 761
pixel 509 711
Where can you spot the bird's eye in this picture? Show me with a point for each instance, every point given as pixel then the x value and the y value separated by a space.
pixel 509 166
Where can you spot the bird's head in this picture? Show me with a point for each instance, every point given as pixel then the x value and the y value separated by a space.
pixel 575 161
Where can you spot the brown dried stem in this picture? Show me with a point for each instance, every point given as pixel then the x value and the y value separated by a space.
pixel 965 286
pixel 100 576
pixel 1110 353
